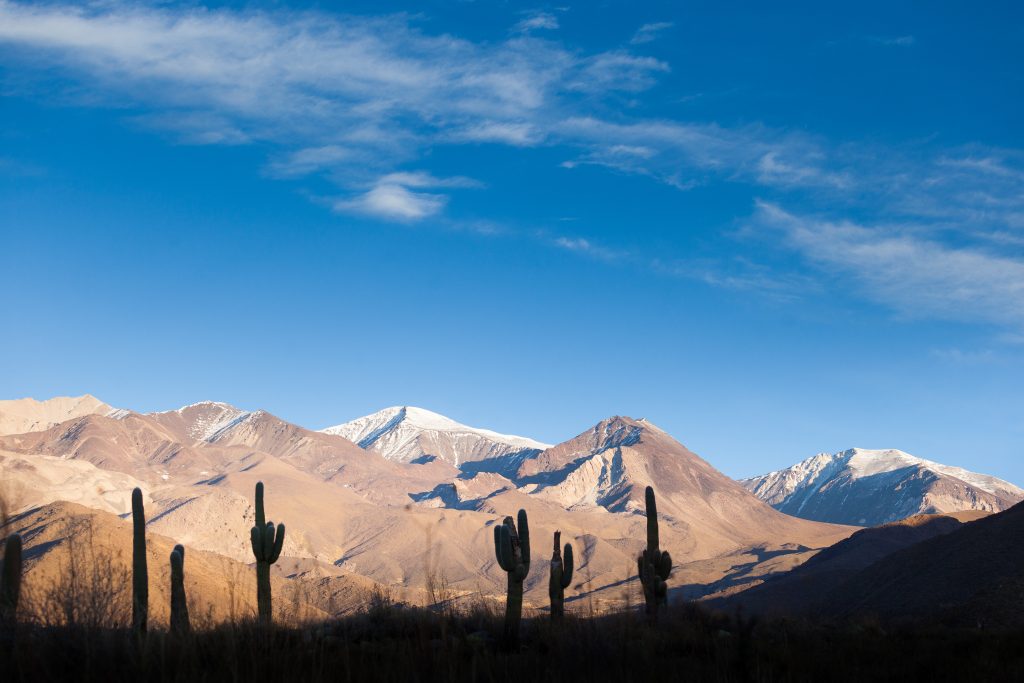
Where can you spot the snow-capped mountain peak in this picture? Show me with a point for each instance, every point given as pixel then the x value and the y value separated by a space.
pixel 205 420
pixel 407 433
pixel 870 487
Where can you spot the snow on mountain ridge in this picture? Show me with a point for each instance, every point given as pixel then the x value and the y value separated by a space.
pixel 866 462
pixel 868 486
pixel 208 419
pixel 405 433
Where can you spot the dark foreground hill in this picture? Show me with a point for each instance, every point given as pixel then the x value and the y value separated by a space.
pixel 810 589
pixel 973 576
pixel 929 568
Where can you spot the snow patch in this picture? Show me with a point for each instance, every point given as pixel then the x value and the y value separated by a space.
pixel 402 432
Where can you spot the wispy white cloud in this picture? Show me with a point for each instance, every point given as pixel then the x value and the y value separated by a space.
pixel 399 196
pixel 504 132
pixel 684 154
pixel 739 273
pixel 351 96
pixel 610 71
pixel 310 160
pixel 649 32
pixel 901 268
pixel 536 20
pixel 773 169
pixel 589 248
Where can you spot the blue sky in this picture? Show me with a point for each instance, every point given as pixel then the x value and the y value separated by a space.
pixel 772 231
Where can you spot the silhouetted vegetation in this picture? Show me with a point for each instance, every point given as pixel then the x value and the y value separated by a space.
pixel 140 574
pixel 267 543
pixel 561 577
pixel 654 565
pixel 512 550
pixel 410 644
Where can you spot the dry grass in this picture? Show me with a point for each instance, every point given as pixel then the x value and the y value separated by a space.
pixel 91 588
pixel 391 643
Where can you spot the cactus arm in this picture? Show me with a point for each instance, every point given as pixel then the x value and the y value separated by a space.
pixel 567 566
pixel 665 569
pixel 278 544
pixel 499 547
pixel 268 541
pixel 257 542
pixel 503 540
pixel 140 574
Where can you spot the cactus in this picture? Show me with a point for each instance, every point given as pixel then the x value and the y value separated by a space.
pixel 180 624
pixel 140 575
pixel 654 565
pixel 512 548
pixel 266 547
pixel 561 577
pixel 10 579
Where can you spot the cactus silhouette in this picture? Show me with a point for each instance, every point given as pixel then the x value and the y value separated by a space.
pixel 140 575
pixel 561 577
pixel 10 579
pixel 180 624
pixel 654 565
pixel 266 547
pixel 512 548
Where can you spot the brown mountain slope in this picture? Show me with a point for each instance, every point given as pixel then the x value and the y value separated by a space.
pixel 609 466
pixel 199 443
pixel 134 444
pixel 34 480
pixel 76 555
pixel 29 415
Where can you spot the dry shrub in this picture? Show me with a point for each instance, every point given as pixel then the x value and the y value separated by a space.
pixel 92 587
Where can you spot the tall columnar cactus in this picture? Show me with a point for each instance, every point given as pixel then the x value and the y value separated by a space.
pixel 180 624
pixel 561 577
pixel 654 565
pixel 266 546
pixel 140 575
pixel 10 579
pixel 512 548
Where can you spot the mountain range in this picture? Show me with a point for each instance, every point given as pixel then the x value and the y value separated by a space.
pixel 871 487
pixel 396 499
